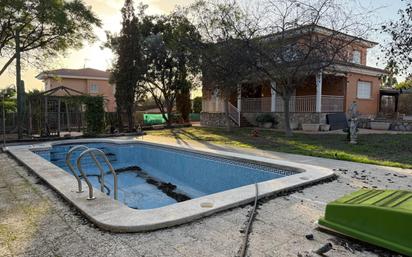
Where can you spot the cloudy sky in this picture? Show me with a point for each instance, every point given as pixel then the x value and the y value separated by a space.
pixel 94 56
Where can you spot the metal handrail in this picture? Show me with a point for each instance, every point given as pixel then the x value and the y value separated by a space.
pixel 92 152
pixel 69 164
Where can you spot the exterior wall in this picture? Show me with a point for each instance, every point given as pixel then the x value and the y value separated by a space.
pixel 106 90
pixel 76 84
pixel 84 85
pixel 331 85
pixel 366 107
pixel 405 106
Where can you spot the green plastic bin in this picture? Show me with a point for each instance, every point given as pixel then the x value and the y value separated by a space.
pixel 379 217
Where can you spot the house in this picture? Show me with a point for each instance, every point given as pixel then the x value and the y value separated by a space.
pixel 351 80
pixel 87 80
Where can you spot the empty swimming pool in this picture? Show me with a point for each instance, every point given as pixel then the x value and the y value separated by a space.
pixel 154 176
pixel 161 185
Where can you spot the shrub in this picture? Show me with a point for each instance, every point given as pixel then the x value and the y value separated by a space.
pixel 94 115
pixel 262 118
pixel 197 104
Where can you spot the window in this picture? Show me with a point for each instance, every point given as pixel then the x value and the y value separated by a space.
pixel 364 90
pixel 356 57
pixel 94 89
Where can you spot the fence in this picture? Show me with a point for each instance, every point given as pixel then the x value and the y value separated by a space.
pixel 296 104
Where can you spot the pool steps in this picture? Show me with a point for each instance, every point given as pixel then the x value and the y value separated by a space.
pixel 93 153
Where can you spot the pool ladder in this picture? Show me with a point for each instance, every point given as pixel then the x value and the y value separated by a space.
pixel 92 152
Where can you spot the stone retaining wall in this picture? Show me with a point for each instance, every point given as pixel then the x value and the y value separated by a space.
pixel 297 119
pixel 401 126
pixel 396 125
pixel 214 120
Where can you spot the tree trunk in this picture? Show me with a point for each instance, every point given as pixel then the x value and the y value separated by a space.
pixel 183 104
pixel 130 119
pixel 169 117
pixel 227 117
pixel 119 119
pixel 288 130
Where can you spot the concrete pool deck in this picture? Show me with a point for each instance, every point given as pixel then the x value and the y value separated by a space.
pixel 35 221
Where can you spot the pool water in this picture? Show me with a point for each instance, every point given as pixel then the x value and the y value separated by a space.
pixel 151 176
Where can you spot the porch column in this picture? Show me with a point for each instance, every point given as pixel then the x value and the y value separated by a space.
pixel 319 92
pixel 239 97
pixel 273 96
pixel 58 116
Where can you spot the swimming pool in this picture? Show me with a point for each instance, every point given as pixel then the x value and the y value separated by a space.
pixel 162 185
pixel 155 176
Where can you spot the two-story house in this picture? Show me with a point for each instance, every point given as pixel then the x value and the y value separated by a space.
pixel 87 81
pixel 328 92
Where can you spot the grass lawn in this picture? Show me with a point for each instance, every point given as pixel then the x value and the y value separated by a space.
pixel 382 149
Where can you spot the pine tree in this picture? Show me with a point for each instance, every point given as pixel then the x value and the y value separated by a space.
pixel 128 68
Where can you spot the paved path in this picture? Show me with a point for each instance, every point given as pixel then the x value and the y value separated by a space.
pixel 35 221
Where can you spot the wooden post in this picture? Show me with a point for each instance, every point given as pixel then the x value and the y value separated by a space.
pixel 380 102
pixel 58 116
pixel 79 117
pixel 239 97
pixel 46 130
pixel 19 88
pixel 30 119
pixel 396 103
pixel 273 96
pixel 67 116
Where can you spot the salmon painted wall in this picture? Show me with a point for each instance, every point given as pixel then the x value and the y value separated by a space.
pixel 106 90
pixel 84 86
pixel 365 106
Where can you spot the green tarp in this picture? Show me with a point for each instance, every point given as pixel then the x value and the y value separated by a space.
pixel 153 119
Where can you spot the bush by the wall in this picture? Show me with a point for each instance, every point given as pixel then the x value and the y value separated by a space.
pixel 197 104
pixel 94 115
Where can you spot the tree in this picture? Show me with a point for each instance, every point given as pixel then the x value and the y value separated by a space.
pixel 10 104
pixel 129 67
pixel 407 84
pixel 304 40
pixel 223 64
pixel 171 61
pixel 389 80
pixel 183 104
pixel 399 49
pixel 45 28
pixel 287 42
pixel 197 104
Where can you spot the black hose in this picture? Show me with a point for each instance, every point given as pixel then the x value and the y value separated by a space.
pixel 243 248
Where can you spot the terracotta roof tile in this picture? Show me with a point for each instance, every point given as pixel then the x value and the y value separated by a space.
pixel 86 72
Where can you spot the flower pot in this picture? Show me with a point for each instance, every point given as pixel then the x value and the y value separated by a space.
pixel 380 125
pixel 267 124
pixel 294 125
pixel 324 127
pixel 310 127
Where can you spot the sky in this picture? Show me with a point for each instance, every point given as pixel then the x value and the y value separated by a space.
pixel 93 56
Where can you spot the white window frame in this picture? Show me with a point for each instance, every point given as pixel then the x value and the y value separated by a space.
pixel 364 90
pixel 356 56
pixel 92 91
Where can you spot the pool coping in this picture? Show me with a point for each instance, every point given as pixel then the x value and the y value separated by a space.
pixel 112 215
